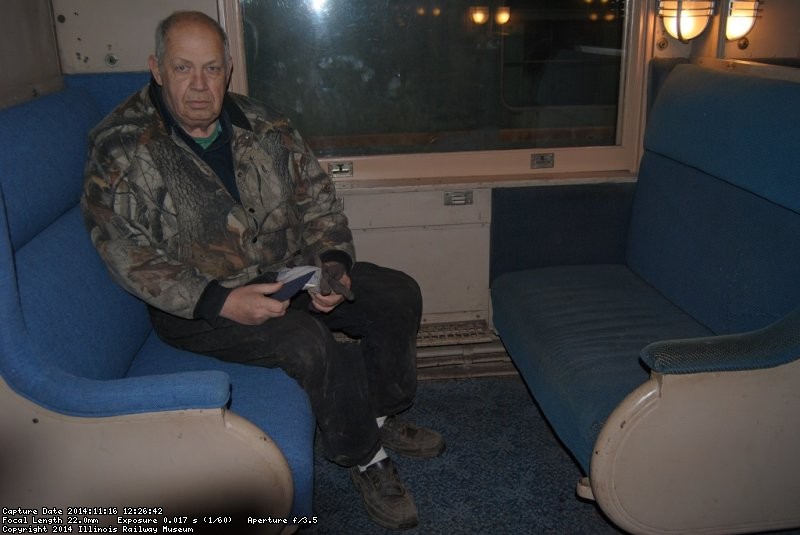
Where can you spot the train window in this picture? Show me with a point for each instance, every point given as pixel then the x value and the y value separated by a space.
pixel 447 79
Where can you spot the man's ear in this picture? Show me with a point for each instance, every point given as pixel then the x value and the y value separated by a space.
pixel 152 62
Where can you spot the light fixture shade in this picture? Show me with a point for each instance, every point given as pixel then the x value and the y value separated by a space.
pixel 685 19
pixel 502 15
pixel 741 18
pixel 479 14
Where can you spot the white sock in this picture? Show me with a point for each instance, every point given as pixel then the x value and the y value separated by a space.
pixel 380 420
pixel 381 455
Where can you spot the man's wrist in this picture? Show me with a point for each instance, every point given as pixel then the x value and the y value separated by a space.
pixel 211 302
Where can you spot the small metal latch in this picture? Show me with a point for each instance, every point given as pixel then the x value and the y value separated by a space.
pixel 453 198
pixel 340 169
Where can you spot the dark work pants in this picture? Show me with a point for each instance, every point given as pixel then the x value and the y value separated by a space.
pixel 349 384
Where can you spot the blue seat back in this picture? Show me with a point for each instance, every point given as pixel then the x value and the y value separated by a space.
pixel 108 89
pixel 716 214
pixel 61 310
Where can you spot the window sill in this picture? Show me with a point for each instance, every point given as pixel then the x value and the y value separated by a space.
pixel 355 185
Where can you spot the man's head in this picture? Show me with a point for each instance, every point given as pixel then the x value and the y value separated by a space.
pixel 192 64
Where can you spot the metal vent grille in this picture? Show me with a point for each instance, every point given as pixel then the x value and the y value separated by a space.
pixel 460 350
pixel 446 334
pixel 457 350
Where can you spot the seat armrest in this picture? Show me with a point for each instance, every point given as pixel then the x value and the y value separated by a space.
pixel 174 391
pixel 675 455
pixel 773 345
pixel 78 396
pixel 195 463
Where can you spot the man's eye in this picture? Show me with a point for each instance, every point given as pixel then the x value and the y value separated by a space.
pixel 181 68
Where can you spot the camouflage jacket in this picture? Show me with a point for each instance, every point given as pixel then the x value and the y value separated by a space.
pixel 168 229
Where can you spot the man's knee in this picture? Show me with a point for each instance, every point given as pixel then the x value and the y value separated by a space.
pixel 389 291
pixel 408 291
pixel 303 347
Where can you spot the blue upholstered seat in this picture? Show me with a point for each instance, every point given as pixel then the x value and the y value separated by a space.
pixel 74 342
pixel 575 333
pixel 712 248
pixel 703 305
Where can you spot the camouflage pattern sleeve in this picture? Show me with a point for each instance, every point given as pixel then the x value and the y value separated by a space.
pixel 325 227
pixel 120 189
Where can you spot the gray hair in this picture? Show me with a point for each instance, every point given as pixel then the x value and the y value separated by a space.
pixel 166 25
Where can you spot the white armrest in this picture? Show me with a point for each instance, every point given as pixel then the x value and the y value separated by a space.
pixel 205 462
pixel 711 452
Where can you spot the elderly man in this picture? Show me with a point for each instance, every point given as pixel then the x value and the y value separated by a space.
pixel 196 197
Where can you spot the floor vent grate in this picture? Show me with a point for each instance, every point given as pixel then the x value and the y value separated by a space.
pixel 457 350
pixel 460 350
pixel 447 334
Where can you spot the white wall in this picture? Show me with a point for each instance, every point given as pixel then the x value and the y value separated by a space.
pixel 445 248
pixel 776 33
pixel 28 58
pixel 113 35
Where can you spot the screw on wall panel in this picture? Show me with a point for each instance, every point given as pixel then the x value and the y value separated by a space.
pixel 112 60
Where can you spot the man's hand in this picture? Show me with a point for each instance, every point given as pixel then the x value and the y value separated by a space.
pixel 251 304
pixel 331 280
pixel 326 303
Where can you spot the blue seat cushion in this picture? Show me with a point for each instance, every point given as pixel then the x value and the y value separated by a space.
pixel 108 89
pixel 575 333
pixel 79 319
pixel 739 128
pixel 715 219
pixel 725 255
pixel 267 397
pixel 44 151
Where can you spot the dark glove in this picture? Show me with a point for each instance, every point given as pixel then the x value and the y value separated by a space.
pixel 330 280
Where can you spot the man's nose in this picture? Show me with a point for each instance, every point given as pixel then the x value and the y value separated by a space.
pixel 199 80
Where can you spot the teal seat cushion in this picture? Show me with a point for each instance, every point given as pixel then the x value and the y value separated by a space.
pixel 575 333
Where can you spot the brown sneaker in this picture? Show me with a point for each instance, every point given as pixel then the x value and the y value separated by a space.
pixel 385 497
pixel 411 440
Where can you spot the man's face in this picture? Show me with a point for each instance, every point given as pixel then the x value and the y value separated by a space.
pixel 193 75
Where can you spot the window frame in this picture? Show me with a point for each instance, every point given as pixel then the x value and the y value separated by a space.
pixel 621 159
